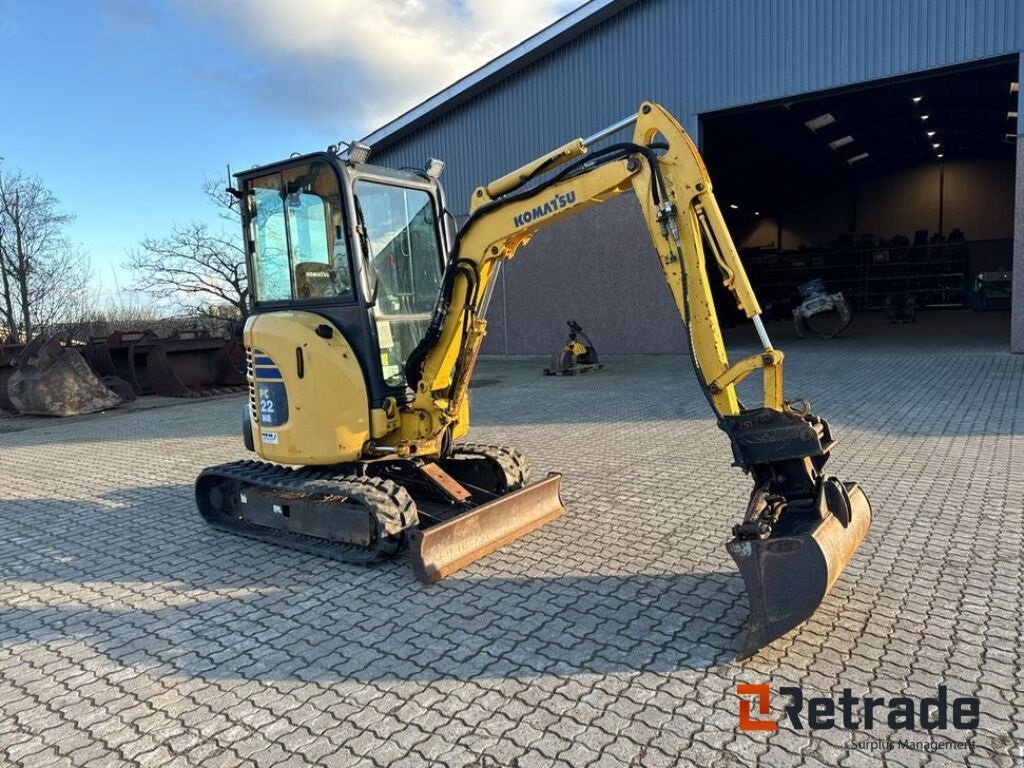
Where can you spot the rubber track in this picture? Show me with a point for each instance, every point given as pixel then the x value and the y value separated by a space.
pixel 389 502
pixel 512 461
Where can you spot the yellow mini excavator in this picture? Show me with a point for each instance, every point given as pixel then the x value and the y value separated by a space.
pixel 368 319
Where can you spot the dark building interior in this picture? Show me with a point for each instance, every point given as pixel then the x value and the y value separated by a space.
pixel 898 194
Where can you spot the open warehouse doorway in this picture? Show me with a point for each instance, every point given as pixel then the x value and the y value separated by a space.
pixel 898 194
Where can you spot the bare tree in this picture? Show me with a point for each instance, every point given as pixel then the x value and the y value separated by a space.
pixel 195 267
pixel 43 277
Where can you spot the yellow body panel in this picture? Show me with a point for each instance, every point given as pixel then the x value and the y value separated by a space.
pixel 328 411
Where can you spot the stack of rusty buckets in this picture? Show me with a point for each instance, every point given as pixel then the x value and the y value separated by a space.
pixel 51 376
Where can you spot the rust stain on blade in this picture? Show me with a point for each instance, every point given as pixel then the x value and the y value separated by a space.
pixel 454 544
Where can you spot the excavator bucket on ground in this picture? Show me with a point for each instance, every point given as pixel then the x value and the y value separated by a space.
pixel 190 364
pixel 124 354
pixel 8 354
pixel 55 380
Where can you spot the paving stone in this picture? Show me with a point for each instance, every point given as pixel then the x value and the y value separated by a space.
pixel 134 634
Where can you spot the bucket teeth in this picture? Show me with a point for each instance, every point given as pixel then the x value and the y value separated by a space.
pixel 787 576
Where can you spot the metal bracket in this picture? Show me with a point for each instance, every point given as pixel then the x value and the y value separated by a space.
pixel 444 482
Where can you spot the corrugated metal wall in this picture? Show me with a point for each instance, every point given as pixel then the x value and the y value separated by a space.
pixel 697 56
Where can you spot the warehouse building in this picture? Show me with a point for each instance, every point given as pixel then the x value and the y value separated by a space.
pixel 873 145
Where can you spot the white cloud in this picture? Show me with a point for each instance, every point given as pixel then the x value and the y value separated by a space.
pixel 371 60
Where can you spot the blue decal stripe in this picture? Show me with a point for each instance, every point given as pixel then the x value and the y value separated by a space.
pixel 262 360
pixel 268 372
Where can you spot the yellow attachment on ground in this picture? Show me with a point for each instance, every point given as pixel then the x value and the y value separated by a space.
pixel 326 412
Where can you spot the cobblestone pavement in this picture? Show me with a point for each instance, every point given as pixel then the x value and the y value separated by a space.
pixel 132 634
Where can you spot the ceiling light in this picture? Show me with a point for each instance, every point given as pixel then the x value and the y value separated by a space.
pixel 916 99
pixel 856 158
pixel 936 145
pixel 820 121
pixel 940 155
pixel 757 213
pixel 929 134
pixel 1011 115
pixel 841 142
pixel 734 206
pixel 1014 87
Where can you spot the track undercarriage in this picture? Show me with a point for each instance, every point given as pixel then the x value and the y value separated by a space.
pixel 369 511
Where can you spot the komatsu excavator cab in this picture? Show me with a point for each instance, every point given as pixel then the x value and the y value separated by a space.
pixel 360 246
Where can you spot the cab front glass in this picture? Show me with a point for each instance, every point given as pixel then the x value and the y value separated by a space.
pixel 405 262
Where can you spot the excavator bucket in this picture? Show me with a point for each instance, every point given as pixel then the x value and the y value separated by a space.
pixel 440 550
pixel 124 354
pixel 788 574
pixel 54 380
pixel 8 354
pixel 191 365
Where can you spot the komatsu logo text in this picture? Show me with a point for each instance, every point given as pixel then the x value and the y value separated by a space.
pixel 556 203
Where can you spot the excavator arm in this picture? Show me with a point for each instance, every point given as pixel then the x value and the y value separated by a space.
pixel 664 170
pixel 800 526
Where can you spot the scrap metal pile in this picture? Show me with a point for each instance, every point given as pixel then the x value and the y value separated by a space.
pixel 55 376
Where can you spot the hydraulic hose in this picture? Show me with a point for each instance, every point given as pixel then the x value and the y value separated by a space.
pixel 414 363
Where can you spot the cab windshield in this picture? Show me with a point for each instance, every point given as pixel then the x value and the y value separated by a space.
pixel 406 265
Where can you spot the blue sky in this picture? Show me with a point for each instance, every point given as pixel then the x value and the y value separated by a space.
pixel 124 107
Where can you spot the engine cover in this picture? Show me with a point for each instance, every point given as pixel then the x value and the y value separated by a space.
pixel 307 395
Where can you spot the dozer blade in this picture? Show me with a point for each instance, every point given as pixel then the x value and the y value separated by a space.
pixel 445 548
pixel 787 576
pixel 54 380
